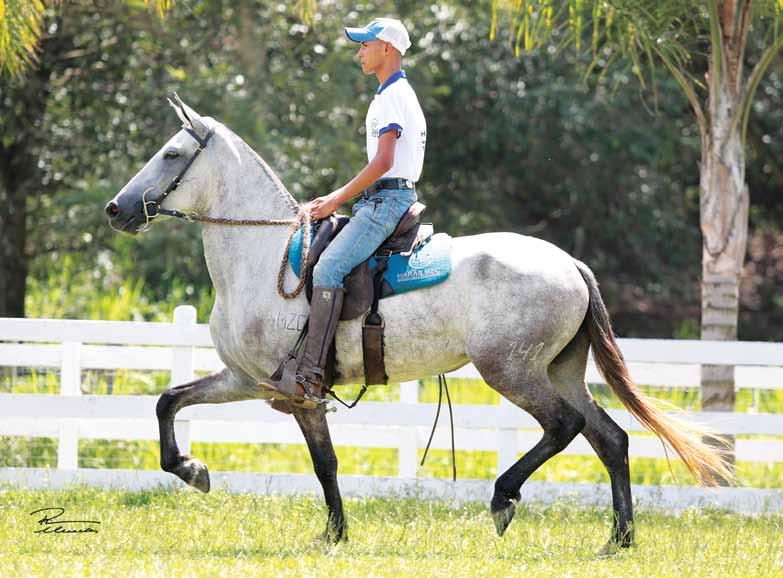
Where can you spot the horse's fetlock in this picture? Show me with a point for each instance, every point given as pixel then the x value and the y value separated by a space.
pixel 168 465
pixel 165 401
pixel 504 491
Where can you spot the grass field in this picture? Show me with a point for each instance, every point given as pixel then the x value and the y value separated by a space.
pixel 184 533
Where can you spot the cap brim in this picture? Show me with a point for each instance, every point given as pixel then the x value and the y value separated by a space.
pixel 360 34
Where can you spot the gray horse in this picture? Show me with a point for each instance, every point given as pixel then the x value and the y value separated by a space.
pixel 521 310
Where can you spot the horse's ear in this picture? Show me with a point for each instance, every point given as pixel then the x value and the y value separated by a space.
pixel 189 117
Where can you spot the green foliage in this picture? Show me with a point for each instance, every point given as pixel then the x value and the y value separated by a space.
pixel 637 35
pixel 20 27
pixel 71 290
pixel 20 31
pixel 513 145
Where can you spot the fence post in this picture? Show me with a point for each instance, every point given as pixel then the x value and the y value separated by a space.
pixel 182 364
pixel 70 384
pixel 718 394
pixel 407 457
pixel 506 438
pixel 182 357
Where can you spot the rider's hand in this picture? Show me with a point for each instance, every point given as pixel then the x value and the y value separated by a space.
pixel 322 207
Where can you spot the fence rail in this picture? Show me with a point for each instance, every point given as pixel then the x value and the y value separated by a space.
pixel 185 347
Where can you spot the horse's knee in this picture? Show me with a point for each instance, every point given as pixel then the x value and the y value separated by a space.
pixel 165 403
pixel 567 426
pixel 615 448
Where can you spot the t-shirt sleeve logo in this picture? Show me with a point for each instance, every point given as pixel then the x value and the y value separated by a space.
pixel 374 127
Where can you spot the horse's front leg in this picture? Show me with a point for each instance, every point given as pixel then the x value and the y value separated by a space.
pixel 217 388
pixel 319 442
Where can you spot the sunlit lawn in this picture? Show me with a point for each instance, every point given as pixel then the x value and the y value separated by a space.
pixel 185 533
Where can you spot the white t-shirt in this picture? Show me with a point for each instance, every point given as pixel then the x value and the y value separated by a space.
pixel 395 107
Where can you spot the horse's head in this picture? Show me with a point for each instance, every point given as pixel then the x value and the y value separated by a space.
pixel 177 165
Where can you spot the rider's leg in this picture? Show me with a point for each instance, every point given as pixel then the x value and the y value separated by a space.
pixel 373 221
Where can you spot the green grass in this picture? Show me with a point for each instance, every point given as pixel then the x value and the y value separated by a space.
pixel 184 533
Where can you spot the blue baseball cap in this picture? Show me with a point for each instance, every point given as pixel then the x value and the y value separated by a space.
pixel 387 29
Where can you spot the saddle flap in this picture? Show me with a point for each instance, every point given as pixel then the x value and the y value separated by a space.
pixel 358 292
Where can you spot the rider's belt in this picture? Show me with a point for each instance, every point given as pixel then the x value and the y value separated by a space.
pixel 394 184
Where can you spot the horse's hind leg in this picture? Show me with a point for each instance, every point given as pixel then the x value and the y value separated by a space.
pixel 560 422
pixel 316 433
pixel 607 438
pixel 217 388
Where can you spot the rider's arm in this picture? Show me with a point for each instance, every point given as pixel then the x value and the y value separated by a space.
pixel 375 169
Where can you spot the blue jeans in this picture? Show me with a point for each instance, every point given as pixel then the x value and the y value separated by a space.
pixel 373 220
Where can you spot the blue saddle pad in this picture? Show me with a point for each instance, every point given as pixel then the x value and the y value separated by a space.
pixel 428 265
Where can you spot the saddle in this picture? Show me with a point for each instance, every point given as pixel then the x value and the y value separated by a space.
pixel 365 285
pixel 408 235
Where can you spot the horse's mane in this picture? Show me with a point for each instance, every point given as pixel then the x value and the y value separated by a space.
pixel 278 184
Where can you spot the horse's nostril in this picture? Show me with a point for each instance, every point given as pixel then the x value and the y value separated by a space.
pixel 112 209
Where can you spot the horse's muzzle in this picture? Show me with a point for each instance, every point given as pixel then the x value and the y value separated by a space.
pixel 124 221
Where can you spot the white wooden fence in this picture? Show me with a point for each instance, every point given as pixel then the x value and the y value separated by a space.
pixel 184 347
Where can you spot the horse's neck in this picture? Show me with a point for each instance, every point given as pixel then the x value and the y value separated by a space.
pixel 247 258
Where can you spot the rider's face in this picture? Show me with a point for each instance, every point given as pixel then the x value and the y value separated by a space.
pixel 372 55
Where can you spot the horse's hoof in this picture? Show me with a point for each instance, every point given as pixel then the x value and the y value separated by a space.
pixel 611 548
pixel 195 474
pixel 335 534
pixel 503 514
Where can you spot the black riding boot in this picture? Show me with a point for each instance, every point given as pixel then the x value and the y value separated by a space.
pixel 305 386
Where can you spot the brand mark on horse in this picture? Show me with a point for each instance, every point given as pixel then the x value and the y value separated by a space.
pixel 518 349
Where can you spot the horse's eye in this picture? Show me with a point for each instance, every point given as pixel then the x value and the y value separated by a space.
pixel 171 155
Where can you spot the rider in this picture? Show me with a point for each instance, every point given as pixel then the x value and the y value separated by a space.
pixel 396 138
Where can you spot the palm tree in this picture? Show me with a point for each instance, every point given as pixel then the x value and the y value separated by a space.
pixel 20 31
pixel 702 45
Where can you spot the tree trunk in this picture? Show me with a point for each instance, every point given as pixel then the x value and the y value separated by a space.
pixel 724 226
pixel 24 102
pixel 13 259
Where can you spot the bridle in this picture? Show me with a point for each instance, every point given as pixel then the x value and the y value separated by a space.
pixel 153 208
pixel 301 220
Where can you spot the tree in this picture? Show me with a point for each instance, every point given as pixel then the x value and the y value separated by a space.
pixel 36 44
pixel 21 22
pixel 702 44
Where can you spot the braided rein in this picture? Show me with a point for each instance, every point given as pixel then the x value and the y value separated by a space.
pixel 300 221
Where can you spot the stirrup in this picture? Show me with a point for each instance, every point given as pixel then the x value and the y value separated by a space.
pixel 285 382
pixel 307 400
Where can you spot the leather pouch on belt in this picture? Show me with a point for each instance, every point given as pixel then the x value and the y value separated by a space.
pixel 372 339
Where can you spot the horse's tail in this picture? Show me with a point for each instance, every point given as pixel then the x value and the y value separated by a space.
pixel 706 463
